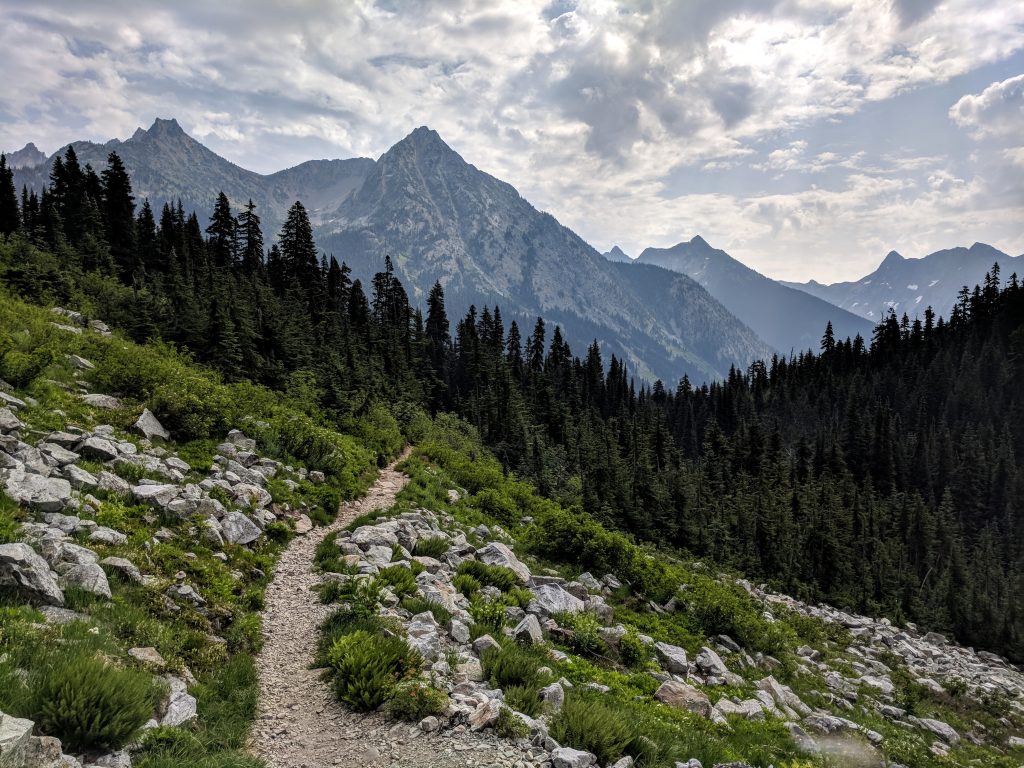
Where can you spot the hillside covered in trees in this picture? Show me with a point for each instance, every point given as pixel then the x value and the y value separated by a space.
pixel 881 475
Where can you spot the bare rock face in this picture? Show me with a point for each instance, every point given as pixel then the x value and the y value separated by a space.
pixel 23 569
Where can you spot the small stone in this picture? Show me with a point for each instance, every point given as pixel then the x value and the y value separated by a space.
pixel 565 757
pixel 429 724
pixel 102 401
pixel 148 656
pixel 150 427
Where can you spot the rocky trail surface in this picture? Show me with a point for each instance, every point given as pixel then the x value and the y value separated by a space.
pixel 300 723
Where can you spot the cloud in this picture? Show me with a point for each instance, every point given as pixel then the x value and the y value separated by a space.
pixel 997 111
pixel 589 107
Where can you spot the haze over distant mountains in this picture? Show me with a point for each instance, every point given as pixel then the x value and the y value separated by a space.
pixel 911 285
pixel 786 318
pixel 443 219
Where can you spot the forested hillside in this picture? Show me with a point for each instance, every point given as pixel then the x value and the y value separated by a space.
pixel 884 478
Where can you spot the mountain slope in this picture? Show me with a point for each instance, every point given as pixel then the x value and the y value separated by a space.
pixel 443 219
pixel 911 285
pixel 784 317
pixel 166 164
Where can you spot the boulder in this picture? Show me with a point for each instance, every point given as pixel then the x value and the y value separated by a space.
pixel 497 553
pixel 553 697
pixel 303 524
pixel 47 494
pixel 528 631
pixel 58 455
pixel 483 644
pixel 89 577
pixel 672 657
pixel 783 695
pixel 10 401
pixel 98 448
pixel 943 730
pixel 485 714
pixel 549 599
pixel 158 495
pixel 565 757
pixel 147 656
pixel 45 752
pixel 80 478
pixel 251 495
pixel 180 707
pixel 110 482
pixel 23 569
pixel 710 663
pixel 239 529
pixel 102 401
pixel 750 709
pixel 683 696
pixel 150 427
pixel 8 421
pixel 15 733
pixel 123 567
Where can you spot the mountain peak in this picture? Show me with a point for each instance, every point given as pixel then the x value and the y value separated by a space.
pixel 165 128
pixel 892 258
pixel 617 254
pixel 699 242
pixel 28 156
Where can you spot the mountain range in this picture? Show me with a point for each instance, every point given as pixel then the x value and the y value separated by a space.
pixel 911 285
pixel 786 318
pixel 690 309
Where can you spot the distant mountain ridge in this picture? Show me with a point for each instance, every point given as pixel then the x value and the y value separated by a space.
pixel 911 285
pixel 786 318
pixel 441 218
pixel 166 164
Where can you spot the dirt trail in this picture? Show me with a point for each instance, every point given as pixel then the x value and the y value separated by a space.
pixel 300 724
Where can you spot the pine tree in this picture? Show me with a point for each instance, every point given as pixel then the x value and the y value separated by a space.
pixel 251 239
pixel 118 212
pixel 10 219
pixel 222 245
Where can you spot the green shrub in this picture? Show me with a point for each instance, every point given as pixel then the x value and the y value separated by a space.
pixel 415 699
pixel 523 698
pixel 489 616
pixel 583 636
pixel 466 584
pixel 10 519
pixel 594 724
pixel 512 665
pixel 632 651
pixel 367 668
pixel 416 605
pixel 490 575
pixel 400 579
pixel 433 546
pixel 509 726
pixel 497 505
pixel 518 596
pixel 341 622
pixel 89 704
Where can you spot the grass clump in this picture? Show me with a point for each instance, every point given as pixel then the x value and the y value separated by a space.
pixel 632 651
pixel 583 633
pixel 400 579
pixel 523 698
pixel 509 726
pixel 594 724
pixel 90 704
pixel 466 584
pixel 433 546
pixel 415 699
pixel 512 666
pixel 488 616
pixel 416 605
pixel 490 575
pixel 367 668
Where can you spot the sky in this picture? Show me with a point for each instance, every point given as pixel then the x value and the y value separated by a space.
pixel 805 137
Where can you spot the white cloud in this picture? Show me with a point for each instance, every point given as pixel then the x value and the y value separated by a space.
pixel 996 111
pixel 587 113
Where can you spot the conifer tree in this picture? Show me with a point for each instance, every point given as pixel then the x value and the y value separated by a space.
pixel 10 219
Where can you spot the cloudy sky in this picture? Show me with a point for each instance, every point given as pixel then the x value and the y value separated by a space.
pixel 806 137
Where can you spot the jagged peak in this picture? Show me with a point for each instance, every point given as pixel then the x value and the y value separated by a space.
pixel 891 258
pixel 699 241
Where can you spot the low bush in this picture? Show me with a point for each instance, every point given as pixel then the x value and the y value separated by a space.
pixel 343 621
pixel 510 726
pixel 433 546
pixel 583 634
pixel 632 651
pixel 90 704
pixel 400 579
pixel 415 699
pixel 490 575
pixel 511 666
pixel 488 616
pixel 466 584
pixel 594 724
pixel 416 605
pixel 523 698
pixel 367 667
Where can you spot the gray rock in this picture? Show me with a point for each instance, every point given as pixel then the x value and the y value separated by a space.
pixel 43 752
pixel 943 730
pixel 180 707
pixel 159 495
pixel 102 401
pixel 710 662
pixel 239 529
pixel 58 455
pixel 429 724
pixel 553 697
pixel 528 631
pixel 251 495
pixel 26 571
pixel 10 400
pixel 672 657
pixel 683 696
pixel 483 644
pixel 148 656
pixel 565 757
pixel 497 553
pixel 110 482
pixel 588 581
pixel 47 494
pixel 150 427
pixel 549 599
pixel 104 535
pixel 89 577
pixel 98 448
pixel 8 421
pixel 15 733
pixel 80 478
pixel 124 567
pixel 81 363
